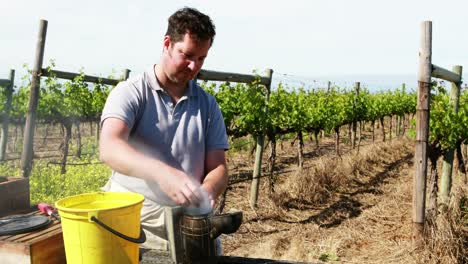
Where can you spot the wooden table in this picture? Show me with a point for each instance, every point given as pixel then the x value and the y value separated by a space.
pixel 43 246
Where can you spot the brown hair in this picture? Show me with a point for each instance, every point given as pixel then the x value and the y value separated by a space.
pixel 190 20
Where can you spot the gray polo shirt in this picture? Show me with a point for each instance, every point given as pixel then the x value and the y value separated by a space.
pixel 179 135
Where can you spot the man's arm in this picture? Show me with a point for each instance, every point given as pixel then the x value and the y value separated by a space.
pixel 122 157
pixel 216 179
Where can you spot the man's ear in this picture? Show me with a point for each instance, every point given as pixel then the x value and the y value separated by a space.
pixel 166 43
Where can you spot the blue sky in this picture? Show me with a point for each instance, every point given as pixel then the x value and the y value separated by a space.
pixel 318 40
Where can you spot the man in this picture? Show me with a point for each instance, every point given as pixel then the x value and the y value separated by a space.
pixel 162 135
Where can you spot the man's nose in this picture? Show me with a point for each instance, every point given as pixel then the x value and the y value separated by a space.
pixel 192 65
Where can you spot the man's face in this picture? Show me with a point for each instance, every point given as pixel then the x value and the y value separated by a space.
pixel 185 58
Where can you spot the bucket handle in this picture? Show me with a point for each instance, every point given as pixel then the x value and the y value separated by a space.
pixel 138 240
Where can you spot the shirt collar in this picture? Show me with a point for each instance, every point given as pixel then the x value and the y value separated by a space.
pixel 154 84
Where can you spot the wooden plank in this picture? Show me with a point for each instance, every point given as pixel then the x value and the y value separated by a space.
pixel 7 238
pixel 46 233
pixel 439 72
pixel 87 78
pixel 230 77
pixel 14 195
pixel 5 82
pixel 49 250
pixel 14 183
pixel 32 237
pixel 14 247
pixel 17 238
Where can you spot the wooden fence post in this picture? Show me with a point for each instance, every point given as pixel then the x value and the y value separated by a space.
pixel 259 152
pixel 355 105
pixel 6 117
pixel 401 118
pixel 27 153
pixel 422 131
pixel 446 179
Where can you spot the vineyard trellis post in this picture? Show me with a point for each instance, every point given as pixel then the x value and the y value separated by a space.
pixel 355 118
pixel 426 71
pixel 422 130
pixel 208 75
pixel 401 118
pixel 9 84
pixel 447 167
pixel 37 73
pixel 259 152
pixel 27 153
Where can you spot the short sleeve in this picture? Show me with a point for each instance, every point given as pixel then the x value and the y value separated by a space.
pixel 123 103
pixel 216 137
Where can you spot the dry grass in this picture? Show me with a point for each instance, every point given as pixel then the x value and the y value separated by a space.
pixel 447 233
pixel 353 209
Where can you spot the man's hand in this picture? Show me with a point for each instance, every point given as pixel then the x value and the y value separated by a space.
pixel 180 188
pixel 126 159
pixel 205 206
pixel 208 195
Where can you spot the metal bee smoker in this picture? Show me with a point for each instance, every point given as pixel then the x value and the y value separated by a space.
pixel 193 235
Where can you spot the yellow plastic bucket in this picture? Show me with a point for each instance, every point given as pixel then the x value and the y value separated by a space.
pixel 102 227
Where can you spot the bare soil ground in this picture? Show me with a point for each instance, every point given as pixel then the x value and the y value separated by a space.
pixel 362 215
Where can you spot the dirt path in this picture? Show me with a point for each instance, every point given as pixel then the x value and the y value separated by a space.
pixel 368 220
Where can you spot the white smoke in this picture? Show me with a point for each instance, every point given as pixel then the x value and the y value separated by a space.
pixel 203 208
